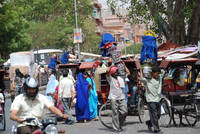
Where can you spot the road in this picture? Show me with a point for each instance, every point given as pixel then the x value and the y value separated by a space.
pixel 132 127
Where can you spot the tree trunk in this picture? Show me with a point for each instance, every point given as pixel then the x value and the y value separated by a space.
pixel 194 25
pixel 177 26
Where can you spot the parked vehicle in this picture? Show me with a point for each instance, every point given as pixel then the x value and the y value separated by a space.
pixel 179 91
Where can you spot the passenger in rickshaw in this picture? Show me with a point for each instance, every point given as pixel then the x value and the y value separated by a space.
pixel 183 78
pixel 133 87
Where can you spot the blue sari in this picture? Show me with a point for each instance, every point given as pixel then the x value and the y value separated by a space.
pixel 82 106
pixel 93 100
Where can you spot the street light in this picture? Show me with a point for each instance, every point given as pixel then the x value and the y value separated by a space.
pixel 76 20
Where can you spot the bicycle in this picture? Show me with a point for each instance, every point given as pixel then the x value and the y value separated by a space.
pixel 105 112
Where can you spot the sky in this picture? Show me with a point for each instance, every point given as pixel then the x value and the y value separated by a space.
pixel 104 4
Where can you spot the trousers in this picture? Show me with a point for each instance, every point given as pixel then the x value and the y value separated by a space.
pixel 119 112
pixel 67 107
pixel 154 112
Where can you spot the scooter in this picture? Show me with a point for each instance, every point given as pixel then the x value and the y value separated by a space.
pixel 46 126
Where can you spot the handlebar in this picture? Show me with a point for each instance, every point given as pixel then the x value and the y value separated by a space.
pixel 29 119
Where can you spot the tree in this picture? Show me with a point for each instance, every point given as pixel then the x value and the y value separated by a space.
pixel 177 20
pixel 12 29
pixel 91 39
pixel 26 24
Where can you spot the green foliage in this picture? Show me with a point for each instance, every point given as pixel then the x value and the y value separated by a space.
pixel 2 60
pixel 133 49
pixel 91 39
pixel 52 34
pixel 26 24
pixel 12 29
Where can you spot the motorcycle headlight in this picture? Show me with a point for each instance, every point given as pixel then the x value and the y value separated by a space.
pixel 51 129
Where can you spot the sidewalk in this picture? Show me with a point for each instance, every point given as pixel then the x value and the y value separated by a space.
pixel 7 95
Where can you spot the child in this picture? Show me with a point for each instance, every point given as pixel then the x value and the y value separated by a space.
pixel 153 95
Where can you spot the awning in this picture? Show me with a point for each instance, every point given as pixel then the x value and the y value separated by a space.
pixel 89 65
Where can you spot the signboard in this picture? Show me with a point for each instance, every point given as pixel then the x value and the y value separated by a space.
pixel 78 35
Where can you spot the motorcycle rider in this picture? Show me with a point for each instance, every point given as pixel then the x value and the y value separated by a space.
pixel 30 104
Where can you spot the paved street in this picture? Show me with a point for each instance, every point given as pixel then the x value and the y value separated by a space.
pixel 132 127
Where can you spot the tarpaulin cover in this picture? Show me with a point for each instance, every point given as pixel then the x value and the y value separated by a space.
pixel 52 63
pixel 64 58
pixel 149 49
pixel 106 38
pixel 21 58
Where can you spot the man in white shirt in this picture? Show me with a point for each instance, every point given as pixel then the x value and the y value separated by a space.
pixel 117 97
pixel 30 104
pixel 66 93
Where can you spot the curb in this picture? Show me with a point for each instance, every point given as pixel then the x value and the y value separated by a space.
pixel 7 95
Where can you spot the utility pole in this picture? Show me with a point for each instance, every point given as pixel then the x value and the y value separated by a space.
pixel 76 20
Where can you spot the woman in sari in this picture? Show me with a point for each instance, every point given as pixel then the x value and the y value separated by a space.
pixel 51 86
pixel 93 100
pixel 82 106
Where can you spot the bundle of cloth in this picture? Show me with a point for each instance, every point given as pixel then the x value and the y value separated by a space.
pixel 149 50
pixel 107 41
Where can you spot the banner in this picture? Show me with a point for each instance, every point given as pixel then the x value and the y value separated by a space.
pixel 78 35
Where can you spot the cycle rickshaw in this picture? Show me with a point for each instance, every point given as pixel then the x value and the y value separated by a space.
pixel 180 94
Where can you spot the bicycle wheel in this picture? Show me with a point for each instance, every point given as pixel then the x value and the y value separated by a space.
pixel 190 112
pixel 2 118
pixel 143 112
pixel 105 115
pixel 166 114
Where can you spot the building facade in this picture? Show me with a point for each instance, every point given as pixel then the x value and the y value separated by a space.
pixel 108 22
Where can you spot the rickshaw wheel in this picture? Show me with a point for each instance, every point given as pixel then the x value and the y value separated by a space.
pixel 105 115
pixel 166 114
pixel 143 112
pixel 190 112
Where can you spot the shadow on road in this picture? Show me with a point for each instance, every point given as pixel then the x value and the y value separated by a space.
pixel 144 131
pixel 130 123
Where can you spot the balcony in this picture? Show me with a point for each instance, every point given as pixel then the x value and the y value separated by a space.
pixel 96 14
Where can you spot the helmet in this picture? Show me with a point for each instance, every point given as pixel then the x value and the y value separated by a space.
pixel 31 83
pixel 113 69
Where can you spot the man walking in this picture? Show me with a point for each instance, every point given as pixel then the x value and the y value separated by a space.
pixel 117 97
pixel 153 95
pixel 66 93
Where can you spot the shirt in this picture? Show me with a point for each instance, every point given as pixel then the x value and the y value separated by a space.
pixel 116 88
pixel 66 88
pixel 153 88
pixel 28 108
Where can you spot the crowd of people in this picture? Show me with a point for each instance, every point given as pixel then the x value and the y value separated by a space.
pixel 63 94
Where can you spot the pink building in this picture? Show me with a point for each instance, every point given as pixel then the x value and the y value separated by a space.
pixel 109 22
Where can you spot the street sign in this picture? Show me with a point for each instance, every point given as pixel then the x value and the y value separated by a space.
pixel 77 35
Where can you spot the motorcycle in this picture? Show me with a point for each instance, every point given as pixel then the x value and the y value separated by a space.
pixel 46 126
